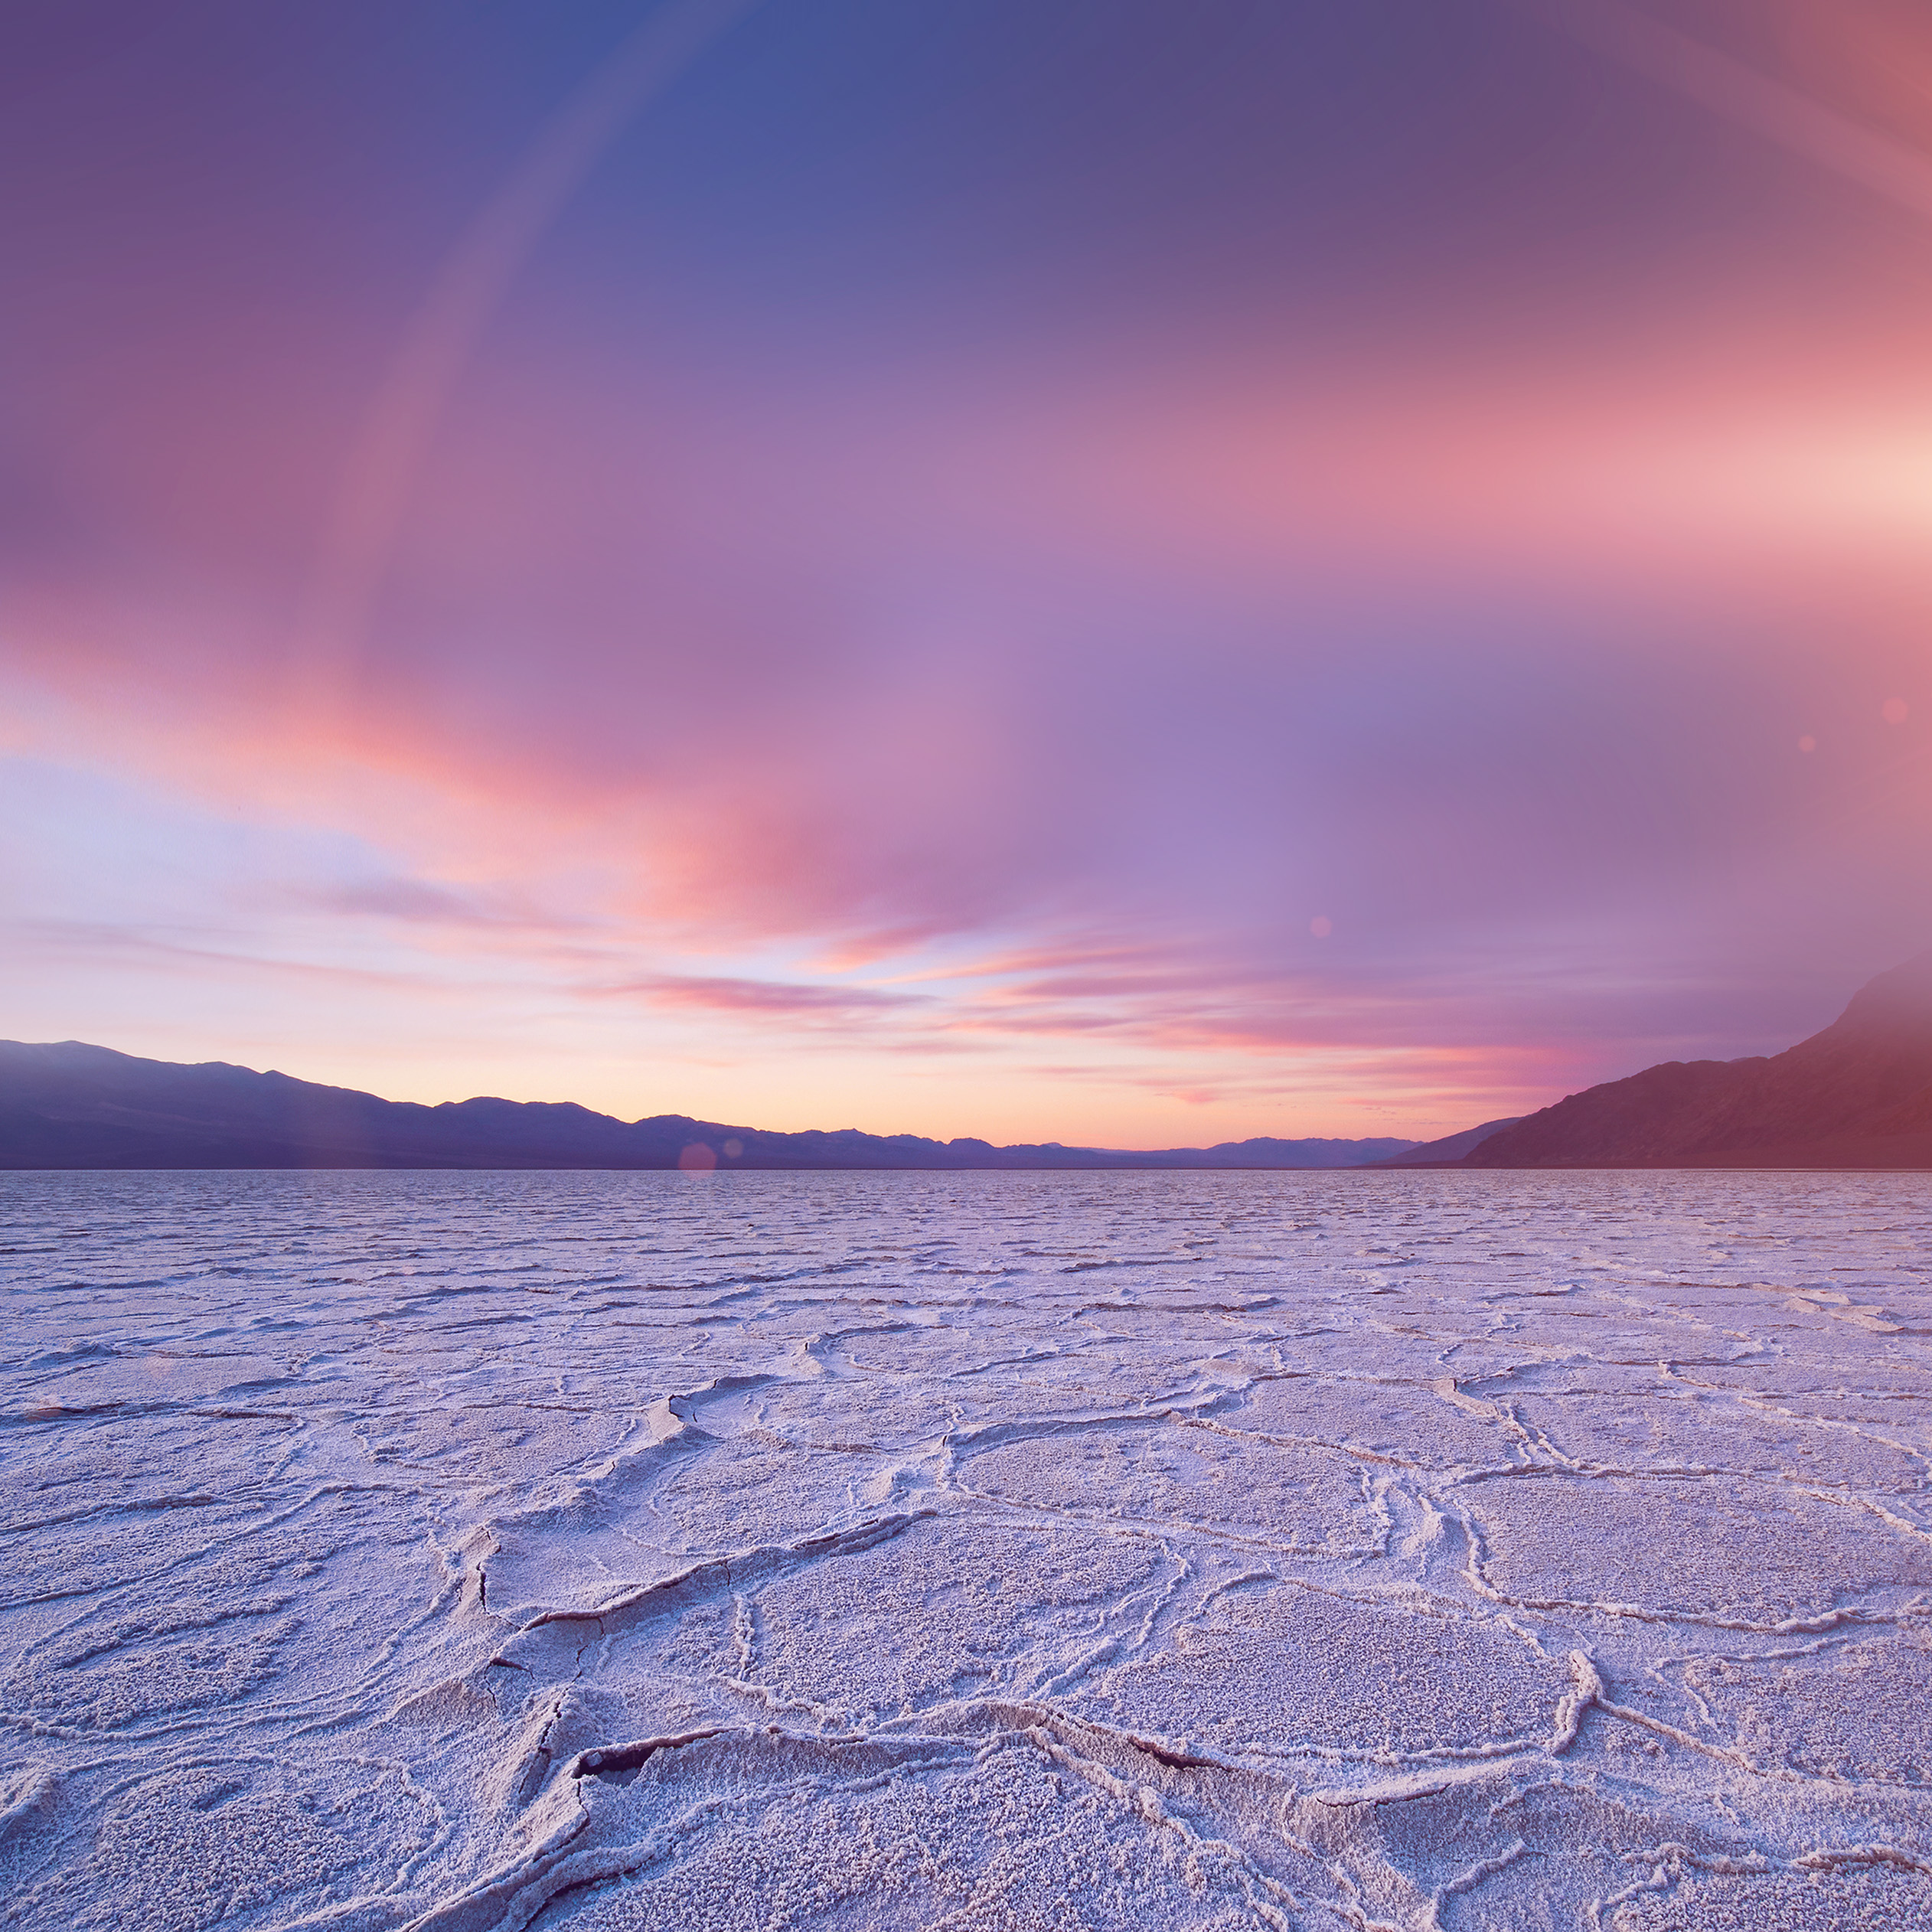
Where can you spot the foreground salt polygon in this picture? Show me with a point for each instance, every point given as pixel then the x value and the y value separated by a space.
pixel 1190 1550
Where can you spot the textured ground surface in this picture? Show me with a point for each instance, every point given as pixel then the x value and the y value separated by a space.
pixel 1206 1550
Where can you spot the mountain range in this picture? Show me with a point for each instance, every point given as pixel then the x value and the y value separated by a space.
pixel 73 1106
pixel 1858 1094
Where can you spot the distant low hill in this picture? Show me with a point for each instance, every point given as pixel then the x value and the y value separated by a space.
pixel 1858 1094
pixel 71 1105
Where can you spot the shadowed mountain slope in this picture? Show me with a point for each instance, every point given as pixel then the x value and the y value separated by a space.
pixel 1858 1094
pixel 71 1105
pixel 1450 1150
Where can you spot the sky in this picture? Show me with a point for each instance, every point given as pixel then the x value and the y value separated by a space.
pixel 1093 570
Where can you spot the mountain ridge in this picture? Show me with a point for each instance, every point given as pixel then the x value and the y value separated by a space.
pixel 69 1104
pixel 1857 1093
pixel 1449 1151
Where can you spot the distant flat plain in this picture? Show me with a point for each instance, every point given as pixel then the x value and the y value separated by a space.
pixel 1415 1549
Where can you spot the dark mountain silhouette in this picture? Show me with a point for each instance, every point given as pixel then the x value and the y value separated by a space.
pixel 1448 1152
pixel 71 1105
pixel 1858 1094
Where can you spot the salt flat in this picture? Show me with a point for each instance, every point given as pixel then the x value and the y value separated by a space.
pixel 1167 1550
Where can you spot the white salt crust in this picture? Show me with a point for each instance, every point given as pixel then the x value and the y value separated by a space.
pixel 1412 1550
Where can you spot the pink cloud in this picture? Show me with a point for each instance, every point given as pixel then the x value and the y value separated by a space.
pixel 818 1005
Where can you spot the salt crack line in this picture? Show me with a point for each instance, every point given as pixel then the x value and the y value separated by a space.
pixel 1571 1707
pixel 607 1761
pixel 1835 1857
pixel 1260 1891
pixel 1467 1881
pixel 1836 1618
pixel 741 1566
pixel 668 1426
pixel 510 1897
pixel 1669 1860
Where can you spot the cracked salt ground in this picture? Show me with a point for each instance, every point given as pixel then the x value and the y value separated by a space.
pixel 1330 1550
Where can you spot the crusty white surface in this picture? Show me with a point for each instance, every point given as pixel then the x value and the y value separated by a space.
pixel 1002 1550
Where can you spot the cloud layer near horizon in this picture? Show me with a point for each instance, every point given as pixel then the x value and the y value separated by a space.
pixel 1050 572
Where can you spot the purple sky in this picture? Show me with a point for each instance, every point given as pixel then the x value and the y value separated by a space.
pixel 1109 571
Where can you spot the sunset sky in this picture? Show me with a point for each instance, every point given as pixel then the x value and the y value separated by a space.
pixel 1116 571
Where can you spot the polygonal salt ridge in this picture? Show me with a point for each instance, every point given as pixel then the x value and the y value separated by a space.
pixel 192 1846
pixel 137 1570
pixel 165 1673
pixel 1160 1476
pixel 1806 1707
pixel 614 1760
pixel 1353 1352
pixel 666 1428
pixel 1558 1541
pixel 757 1488
pixel 1502 1847
pixel 552 1640
pixel 1398 1422
pixel 1400 1843
pixel 453 1706
pixel 1674 1434
pixel 680 1495
pixel 1830 1889
pixel 32 1803
pixel 964 1602
pixel 533 1570
pixel 1890 1408
pixel 1067 1404
pixel 1284 1671
pixel 1874 1316
pixel 1013 1822
pixel 897 1420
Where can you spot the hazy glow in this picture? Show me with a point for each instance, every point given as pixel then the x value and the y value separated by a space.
pixel 1038 575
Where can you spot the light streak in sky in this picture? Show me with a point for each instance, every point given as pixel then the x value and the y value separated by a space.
pixel 1741 94
pixel 470 281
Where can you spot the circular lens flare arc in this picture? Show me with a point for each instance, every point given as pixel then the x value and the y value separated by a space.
pixel 401 421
